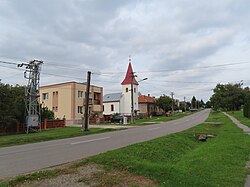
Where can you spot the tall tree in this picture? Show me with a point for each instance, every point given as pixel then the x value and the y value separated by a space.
pixel 164 102
pixel 228 97
pixel 12 105
pixel 193 102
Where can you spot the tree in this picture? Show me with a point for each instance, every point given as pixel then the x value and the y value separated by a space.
pixel 202 104
pixel 246 109
pixel 12 107
pixel 47 114
pixel 164 102
pixel 193 102
pixel 228 97
pixel 208 104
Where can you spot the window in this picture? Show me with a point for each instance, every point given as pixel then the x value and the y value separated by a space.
pixel 112 107
pixel 102 107
pixel 126 89
pixel 45 96
pixel 55 93
pixel 135 90
pixel 56 110
pixel 80 93
pixel 79 109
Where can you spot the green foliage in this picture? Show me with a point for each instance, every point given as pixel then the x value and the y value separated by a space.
pixel 208 104
pixel 193 102
pixel 12 106
pixel 246 109
pixel 228 97
pixel 47 114
pixel 164 102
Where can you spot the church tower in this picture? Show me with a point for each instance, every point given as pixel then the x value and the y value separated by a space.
pixel 129 85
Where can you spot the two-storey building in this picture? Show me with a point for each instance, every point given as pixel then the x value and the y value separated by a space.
pixel 67 100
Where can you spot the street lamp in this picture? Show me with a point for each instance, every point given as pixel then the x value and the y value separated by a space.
pixel 142 79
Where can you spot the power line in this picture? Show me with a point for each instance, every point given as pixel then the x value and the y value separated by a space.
pixel 151 71
pixel 6 62
pixel 182 69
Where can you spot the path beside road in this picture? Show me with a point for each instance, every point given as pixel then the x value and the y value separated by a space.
pixel 27 158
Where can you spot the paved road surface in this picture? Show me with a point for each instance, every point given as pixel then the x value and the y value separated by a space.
pixel 22 159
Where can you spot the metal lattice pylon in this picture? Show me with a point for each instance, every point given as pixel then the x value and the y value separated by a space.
pixel 32 73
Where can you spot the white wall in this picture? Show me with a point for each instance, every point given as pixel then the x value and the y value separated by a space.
pixel 126 99
pixel 107 108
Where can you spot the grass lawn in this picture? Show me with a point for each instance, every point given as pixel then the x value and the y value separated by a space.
pixel 45 135
pixel 239 116
pixel 174 160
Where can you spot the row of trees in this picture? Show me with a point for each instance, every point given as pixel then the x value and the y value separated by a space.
pixel 165 103
pixel 230 97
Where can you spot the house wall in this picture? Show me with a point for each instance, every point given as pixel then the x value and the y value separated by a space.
pixel 68 101
pixel 107 108
pixel 79 101
pixel 143 108
pixel 63 99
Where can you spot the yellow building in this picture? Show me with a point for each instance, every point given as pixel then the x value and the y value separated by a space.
pixel 68 100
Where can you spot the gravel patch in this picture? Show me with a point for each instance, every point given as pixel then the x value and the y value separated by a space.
pixel 68 180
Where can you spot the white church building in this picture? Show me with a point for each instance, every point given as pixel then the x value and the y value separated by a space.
pixel 121 102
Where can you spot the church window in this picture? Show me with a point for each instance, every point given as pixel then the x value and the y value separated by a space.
pixel 135 90
pixel 126 89
pixel 112 107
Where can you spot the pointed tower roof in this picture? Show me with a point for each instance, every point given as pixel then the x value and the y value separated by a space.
pixel 128 78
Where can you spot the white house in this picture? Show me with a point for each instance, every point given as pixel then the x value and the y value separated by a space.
pixel 121 102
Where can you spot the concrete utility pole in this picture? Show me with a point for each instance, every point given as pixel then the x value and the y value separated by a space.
pixel 172 95
pixel 132 97
pixel 86 114
pixel 185 106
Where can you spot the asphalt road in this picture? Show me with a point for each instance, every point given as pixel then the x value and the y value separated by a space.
pixel 22 159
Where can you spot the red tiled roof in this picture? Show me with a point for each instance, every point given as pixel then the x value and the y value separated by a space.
pixel 146 99
pixel 128 78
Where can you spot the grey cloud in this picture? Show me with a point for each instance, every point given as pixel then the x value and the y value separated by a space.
pixel 99 36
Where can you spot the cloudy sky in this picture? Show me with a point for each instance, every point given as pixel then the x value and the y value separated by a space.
pixel 182 46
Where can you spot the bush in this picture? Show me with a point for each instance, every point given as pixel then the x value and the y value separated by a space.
pixel 246 109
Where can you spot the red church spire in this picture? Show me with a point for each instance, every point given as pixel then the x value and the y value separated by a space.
pixel 129 75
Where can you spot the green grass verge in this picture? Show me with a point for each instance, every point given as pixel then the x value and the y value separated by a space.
pixel 45 135
pixel 239 116
pixel 180 160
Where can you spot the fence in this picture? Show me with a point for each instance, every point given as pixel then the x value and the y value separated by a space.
pixel 16 128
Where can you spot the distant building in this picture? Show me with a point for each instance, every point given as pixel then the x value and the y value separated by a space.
pixel 147 106
pixel 68 100
pixel 121 102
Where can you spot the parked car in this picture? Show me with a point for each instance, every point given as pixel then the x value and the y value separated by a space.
pixel 117 119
